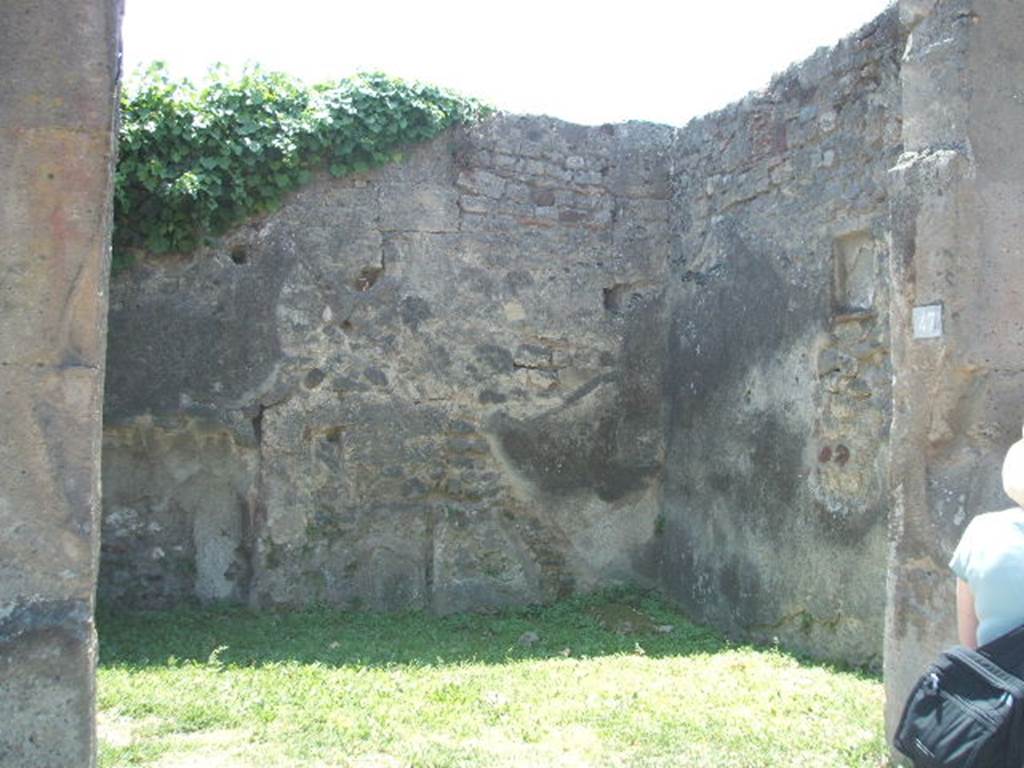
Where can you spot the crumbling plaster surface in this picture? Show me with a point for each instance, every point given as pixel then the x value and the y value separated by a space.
pixel 436 385
pixel 778 385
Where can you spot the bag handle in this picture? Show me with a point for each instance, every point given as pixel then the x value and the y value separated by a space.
pixel 989 670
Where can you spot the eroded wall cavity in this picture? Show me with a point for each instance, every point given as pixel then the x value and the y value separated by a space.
pixel 183 524
pixel 59 67
pixel 778 378
pixel 437 385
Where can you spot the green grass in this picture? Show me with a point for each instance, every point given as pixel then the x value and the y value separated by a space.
pixel 229 688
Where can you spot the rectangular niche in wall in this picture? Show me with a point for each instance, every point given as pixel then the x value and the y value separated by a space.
pixel 854 269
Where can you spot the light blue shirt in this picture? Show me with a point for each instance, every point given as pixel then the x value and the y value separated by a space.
pixel 990 558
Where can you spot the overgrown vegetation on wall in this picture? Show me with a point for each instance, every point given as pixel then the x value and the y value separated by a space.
pixel 196 159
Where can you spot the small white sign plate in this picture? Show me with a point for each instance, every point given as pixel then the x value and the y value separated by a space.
pixel 928 322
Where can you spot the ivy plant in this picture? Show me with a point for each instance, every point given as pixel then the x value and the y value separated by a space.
pixel 195 159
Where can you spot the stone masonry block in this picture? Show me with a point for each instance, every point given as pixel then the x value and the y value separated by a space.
pixel 47 687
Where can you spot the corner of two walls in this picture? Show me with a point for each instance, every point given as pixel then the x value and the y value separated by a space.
pixel 536 358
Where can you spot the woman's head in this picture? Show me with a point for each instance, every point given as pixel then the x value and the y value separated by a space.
pixel 1013 472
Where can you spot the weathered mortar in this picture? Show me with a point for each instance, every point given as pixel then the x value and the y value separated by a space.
pixel 437 385
pixel 775 488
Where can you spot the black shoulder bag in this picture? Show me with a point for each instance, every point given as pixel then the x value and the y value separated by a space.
pixel 967 710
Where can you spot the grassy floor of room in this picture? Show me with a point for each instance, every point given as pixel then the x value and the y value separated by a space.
pixel 618 679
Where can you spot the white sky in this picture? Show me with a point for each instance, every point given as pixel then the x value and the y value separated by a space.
pixel 587 62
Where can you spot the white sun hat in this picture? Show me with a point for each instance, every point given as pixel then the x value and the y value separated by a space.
pixel 1013 472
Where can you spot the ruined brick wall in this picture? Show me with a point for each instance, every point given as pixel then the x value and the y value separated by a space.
pixel 531 359
pixel 435 385
pixel 778 381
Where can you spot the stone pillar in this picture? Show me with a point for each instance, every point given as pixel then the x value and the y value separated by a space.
pixel 957 262
pixel 58 77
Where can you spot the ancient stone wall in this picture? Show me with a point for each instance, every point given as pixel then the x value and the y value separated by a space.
pixel 435 385
pixel 535 358
pixel 778 381
pixel 59 66
pixel 956 238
